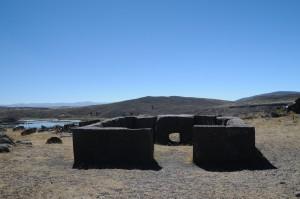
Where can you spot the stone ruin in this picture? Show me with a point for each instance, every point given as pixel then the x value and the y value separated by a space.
pixel 128 142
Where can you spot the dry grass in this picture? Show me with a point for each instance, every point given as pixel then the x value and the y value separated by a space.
pixel 45 171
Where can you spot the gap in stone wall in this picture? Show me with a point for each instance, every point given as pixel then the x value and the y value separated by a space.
pixel 174 138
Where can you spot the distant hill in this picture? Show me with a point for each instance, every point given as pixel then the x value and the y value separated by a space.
pixel 150 105
pixel 145 105
pixel 52 105
pixel 265 103
pixel 268 98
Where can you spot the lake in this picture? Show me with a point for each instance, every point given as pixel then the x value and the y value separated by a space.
pixel 49 123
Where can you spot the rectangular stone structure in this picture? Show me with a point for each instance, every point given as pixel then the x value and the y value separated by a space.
pixel 166 124
pixel 96 147
pixel 222 145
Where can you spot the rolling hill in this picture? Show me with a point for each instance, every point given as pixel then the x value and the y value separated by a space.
pixel 268 98
pixel 161 105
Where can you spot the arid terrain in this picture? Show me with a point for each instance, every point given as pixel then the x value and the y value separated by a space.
pixel 45 170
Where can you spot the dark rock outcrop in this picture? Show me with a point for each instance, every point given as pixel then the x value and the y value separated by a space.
pixel 54 140
pixel 5 143
pixel 28 131
pixel 4 139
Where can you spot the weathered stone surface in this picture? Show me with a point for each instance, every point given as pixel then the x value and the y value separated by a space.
pixel 167 124
pixel 29 131
pixel 96 147
pixel 220 144
pixel 54 140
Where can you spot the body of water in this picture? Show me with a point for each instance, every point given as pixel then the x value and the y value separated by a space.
pixel 49 123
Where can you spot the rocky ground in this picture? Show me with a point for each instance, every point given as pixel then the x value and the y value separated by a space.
pixel 45 170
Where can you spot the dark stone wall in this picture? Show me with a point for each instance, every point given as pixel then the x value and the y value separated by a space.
pixel 126 122
pixel 163 125
pixel 167 124
pixel 112 147
pixel 220 144
pixel 205 120
pixel 145 122
pixel 86 123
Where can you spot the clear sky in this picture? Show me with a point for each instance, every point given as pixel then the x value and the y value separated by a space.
pixel 110 50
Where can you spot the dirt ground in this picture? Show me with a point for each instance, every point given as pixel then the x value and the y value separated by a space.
pixel 45 171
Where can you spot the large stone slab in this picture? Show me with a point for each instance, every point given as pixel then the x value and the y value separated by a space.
pixel 222 145
pixel 112 148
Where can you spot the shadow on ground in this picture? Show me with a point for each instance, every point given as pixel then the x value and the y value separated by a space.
pixel 257 162
pixel 149 166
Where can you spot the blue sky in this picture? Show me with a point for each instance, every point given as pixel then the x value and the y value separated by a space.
pixel 110 50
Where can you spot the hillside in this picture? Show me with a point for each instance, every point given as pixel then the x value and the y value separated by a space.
pixel 149 105
pixel 265 103
pixel 268 98
pixel 144 105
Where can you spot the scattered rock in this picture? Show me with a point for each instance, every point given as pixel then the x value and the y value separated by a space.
pixel 54 140
pixel 19 128
pixel 28 131
pixel 4 139
pixel 25 142
pixel 297 194
pixel 4 148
